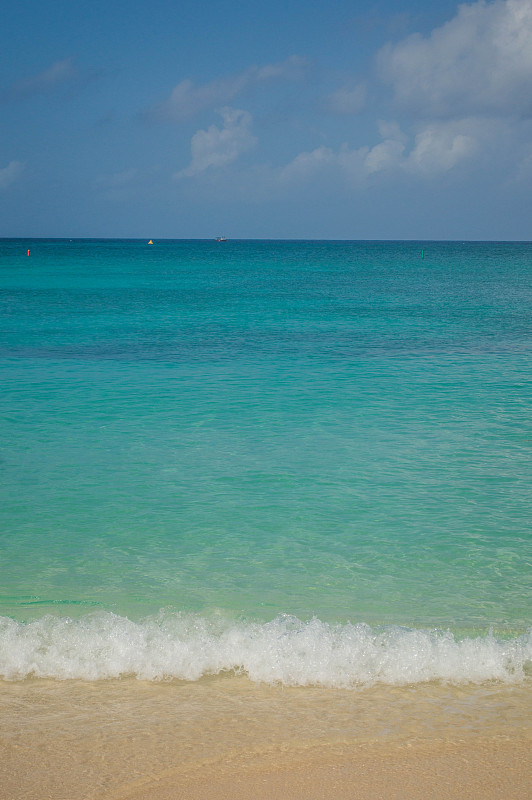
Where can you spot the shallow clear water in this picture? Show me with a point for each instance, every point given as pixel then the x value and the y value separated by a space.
pixel 242 430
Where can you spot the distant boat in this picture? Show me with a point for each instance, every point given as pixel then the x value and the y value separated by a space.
pixel 221 239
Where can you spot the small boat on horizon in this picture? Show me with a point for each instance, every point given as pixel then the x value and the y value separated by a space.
pixel 221 239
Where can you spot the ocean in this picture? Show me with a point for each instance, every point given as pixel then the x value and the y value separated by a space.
pixel 263 504
pixel 307 463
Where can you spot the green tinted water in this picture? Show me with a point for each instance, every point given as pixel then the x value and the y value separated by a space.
pixel 243 429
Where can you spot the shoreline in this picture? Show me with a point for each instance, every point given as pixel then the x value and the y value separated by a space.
pixel 226 737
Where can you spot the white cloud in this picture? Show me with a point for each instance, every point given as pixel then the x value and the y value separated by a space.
pixel 218 147
pixel 347 100
pixel 10 173
pixel 291 69
pixel 57 73
pixel 389 129
pixel 384 156
pixel 436 149
pixel 467 87
pixel 187 99
pixel 480 62
pixel 307 164
pixel 439 147
pixel 347 161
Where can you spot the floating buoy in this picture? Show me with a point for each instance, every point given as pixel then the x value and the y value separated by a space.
pixel 28 252
pixel 150 242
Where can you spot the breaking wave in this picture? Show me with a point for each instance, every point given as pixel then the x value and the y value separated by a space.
pixel 285 651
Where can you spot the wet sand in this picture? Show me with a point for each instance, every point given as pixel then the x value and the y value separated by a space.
pixel 226 737
pixel 487 770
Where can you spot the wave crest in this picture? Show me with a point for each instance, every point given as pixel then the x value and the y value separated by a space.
pixel 286 651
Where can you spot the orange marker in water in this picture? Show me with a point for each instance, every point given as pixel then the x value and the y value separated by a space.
pixel 28 252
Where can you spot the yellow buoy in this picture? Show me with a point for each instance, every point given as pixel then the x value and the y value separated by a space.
pixel 150 242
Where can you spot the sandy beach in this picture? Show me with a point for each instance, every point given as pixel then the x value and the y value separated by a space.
pixel 230 738
pixel 488 769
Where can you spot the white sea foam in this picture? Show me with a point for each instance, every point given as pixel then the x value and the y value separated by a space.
pixel 285 651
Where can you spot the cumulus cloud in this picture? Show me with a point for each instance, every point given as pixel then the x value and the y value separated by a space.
pixel 347 100
pixel 10 173
pixel 480 62
pixel 57 73
pixel 307 164
pixel 351 163
pixel 218 147
pixel 465 88
pixel 291 69
pixel 384 156
pixel 187 99
pixel 346 161
pixel 436 149
pixel 439 147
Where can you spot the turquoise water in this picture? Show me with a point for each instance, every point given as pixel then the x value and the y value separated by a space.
pixel 238 445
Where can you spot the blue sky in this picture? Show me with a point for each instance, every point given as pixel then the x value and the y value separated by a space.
pixel 348 120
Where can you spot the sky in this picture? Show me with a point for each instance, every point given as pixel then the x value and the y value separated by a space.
pixel 322 119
